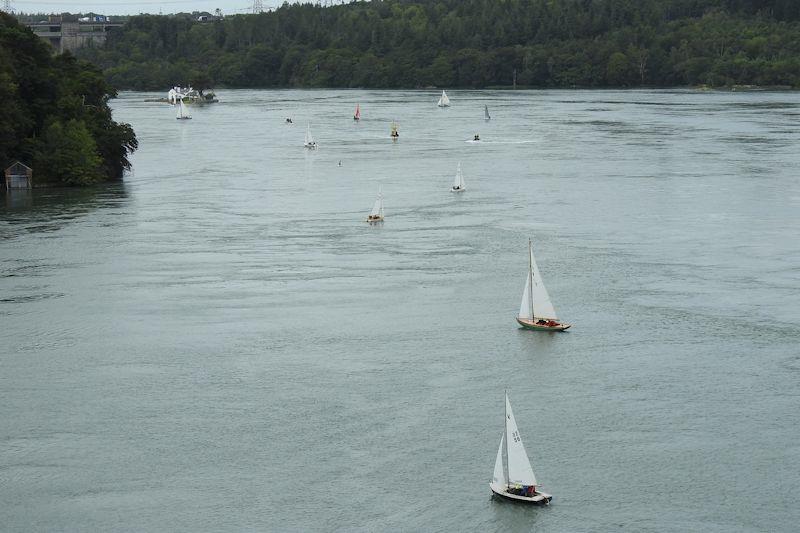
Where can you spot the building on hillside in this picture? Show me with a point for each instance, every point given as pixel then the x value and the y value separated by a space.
pixel 19 176
pixel 67 32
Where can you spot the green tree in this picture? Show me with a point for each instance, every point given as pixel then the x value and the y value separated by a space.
pixel 68 154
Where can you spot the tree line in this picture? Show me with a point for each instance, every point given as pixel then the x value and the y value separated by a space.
pixel 465 43
pixel 54 113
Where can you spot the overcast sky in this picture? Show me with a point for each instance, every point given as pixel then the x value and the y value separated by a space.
pixel 126 7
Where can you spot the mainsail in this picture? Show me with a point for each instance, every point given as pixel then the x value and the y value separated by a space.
pixel 357 116
pixel 519 467
pixel 182 111
pixel 377 207
pixel 444 101
pixel 458 182
pixel 486 112
pixel 309 142
pixel 536 303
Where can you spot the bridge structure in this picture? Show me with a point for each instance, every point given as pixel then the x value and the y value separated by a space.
pixel 71 36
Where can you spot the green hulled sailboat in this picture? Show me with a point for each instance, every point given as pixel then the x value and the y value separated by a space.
pixel 536 310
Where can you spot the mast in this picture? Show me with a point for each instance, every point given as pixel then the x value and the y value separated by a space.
pixel 505 439
pixel 530 273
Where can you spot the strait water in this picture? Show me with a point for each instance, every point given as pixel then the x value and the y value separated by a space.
pixel 220 343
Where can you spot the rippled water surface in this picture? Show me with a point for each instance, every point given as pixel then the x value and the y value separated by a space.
pixel 220 343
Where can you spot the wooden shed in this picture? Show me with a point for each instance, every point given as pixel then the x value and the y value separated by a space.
pixel 19 176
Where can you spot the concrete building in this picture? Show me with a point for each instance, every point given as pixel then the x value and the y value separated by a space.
pixel 74 34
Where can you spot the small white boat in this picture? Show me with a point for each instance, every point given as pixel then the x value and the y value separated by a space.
pixel 444 101
pixel 376 214
pixel 183 112
pixel 310 143
pixel 513 477
pixel 486 113
pixel 458 183
pixel 394 134
pixel 536 310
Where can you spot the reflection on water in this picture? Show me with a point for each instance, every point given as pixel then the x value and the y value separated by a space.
pixel 49 209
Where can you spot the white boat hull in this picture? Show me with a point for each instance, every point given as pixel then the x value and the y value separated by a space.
pixel 539 498
pixel 462 189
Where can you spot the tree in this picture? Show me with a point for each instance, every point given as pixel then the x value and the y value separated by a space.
pixel 68 154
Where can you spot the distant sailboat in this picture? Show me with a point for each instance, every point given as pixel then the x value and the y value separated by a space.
pixel 309 143
pixel 536 310
pixel 357 115
pixel 183 113
pixel 486 113
pixel 458 183
pixel 513 478
pixel 444 101
pixel 376 214
pixel 394 133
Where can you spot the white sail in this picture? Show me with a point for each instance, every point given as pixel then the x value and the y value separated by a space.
pixel 499 477
pixel 309 142
pixel 542 306
pixel 458 182
pixel 525 306
pixel 444 101
pixel 182 111
pixel 519 467
pixel 377 207
pixel 486 112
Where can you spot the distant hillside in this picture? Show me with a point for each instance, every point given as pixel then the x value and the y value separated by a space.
pixel 466 43
pixel 54 115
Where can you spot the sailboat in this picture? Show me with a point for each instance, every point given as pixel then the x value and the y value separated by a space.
pixel 357 115
pixel 513 478
pixel 183 113
pixel 458 183
pixel 536 310
pixel 394 133
pixel 376 215
pixel 444 101
pixel 486 113
pixel 310 143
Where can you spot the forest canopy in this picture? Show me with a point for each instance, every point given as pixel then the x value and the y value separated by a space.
pixel 465 43
pixel 54 115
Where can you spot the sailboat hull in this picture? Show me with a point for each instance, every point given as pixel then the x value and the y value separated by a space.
pixel 539 498
pixel 530 324
pixel 462 189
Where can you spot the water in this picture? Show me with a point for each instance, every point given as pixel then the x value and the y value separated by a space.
pixel 220 343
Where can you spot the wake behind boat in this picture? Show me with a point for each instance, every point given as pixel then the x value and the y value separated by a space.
pixel 513 477
pixel 536 310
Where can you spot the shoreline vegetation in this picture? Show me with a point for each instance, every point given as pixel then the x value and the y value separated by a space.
pixel 464 44
pixel 55 116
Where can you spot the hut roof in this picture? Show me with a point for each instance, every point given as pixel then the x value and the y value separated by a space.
pixel 18 168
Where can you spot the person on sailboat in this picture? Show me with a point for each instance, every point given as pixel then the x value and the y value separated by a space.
pixel 476 138
pixel 289 121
